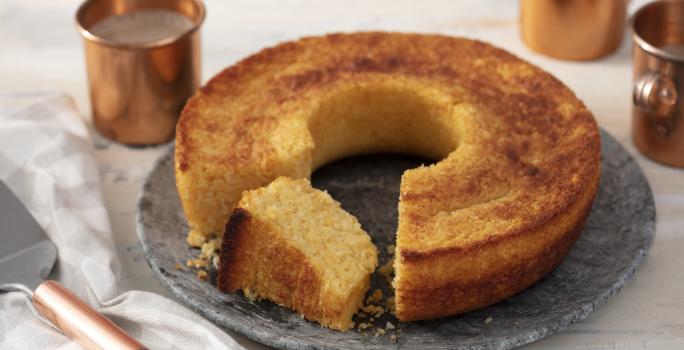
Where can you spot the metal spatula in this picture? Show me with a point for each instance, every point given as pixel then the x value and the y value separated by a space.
pixel 26 258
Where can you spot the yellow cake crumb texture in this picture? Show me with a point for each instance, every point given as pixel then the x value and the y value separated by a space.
pixel 315 224
pixel 291 221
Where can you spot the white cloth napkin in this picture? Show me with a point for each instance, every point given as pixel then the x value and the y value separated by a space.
pixel 46 158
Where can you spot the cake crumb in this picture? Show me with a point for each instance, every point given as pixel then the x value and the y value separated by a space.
pixel 210 249
pixel 252 295
pixel 488 320
pixel 393 338
pixel 195 239
pixel 364 325
pixel 374 298
pixel 201 274
pixel 387 270
pixel 390 326
pixel 361 314
pixel 179 266
pixel 377 294
pixel 373 310
pixel 379 332
pixel 390 249
pixel 197 263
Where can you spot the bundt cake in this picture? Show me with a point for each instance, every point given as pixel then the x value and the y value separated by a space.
pixel 294 245
pixel 519 154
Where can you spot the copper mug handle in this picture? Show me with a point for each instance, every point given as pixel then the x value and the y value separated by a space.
pixel 79 321
pixel 656 94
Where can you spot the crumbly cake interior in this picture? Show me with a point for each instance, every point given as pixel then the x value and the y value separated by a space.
pixel 315 224
pixel 300 249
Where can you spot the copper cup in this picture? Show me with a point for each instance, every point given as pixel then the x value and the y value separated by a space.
pixel 657 112
pixel 573 29
pixel 138 90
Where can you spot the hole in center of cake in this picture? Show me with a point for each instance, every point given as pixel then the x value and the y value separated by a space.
pixel 384 117
pixel 368 187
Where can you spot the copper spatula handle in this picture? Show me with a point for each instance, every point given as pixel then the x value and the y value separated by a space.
pixel 79 321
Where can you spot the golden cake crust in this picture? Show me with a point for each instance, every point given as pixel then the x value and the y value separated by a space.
pixel 300 280
pixel 520 153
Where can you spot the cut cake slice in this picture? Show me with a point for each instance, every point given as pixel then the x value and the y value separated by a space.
pixel 294 245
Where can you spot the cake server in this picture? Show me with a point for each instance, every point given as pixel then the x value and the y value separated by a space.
pixel 26 258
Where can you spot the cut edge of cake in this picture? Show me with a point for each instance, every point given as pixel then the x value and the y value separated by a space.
pixel 316 262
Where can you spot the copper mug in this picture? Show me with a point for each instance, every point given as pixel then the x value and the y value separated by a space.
pixel 657 111
pixel 573 29
pixel 137 90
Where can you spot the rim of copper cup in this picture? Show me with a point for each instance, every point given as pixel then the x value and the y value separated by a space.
pixel 645 45
pixel 80 13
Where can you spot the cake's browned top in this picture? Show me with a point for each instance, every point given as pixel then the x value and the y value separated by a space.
pixel 517 146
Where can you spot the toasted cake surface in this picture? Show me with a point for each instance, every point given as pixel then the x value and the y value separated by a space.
pixel 519 153
pixel 294 245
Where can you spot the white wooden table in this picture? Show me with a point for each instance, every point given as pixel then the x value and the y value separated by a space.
pixel 40 50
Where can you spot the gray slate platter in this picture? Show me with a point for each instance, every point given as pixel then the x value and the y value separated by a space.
pixel 617 236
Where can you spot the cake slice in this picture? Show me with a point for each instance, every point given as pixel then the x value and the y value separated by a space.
pixel 294 245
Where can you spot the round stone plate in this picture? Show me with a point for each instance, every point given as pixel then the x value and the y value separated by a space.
pixel 617 235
